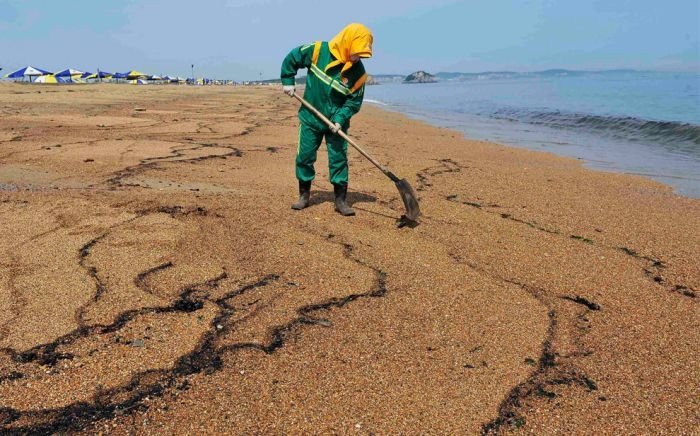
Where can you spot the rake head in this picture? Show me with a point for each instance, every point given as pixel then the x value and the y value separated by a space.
pixel 410 200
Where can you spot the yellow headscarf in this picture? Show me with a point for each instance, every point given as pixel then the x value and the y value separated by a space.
pixel 354 39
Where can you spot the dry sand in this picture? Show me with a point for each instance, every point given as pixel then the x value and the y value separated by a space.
pixel 153 278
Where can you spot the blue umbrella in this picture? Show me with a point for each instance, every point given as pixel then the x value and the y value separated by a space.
pixel 68 73
pixel 27 71
pixel 98 75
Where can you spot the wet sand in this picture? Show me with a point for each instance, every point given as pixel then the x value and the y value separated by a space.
pixel 153 278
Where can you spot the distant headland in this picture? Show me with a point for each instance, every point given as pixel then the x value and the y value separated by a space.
pixel 425 77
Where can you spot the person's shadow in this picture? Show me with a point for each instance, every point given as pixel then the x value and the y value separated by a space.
pixel 318 197
pixel 355 199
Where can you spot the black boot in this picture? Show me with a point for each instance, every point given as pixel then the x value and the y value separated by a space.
pixel 304 195
pixel 340 204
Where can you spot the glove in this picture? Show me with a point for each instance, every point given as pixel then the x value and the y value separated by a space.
pixel 288 89
pixel 336 128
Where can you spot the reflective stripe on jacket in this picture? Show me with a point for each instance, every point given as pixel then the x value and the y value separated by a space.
pixel 337 97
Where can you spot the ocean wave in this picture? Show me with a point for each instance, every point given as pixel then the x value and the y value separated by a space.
pixel 685 136
pixel 381 103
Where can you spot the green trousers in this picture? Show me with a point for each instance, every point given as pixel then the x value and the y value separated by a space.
pixel 310 139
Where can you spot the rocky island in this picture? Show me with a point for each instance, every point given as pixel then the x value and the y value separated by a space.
pixel 420 77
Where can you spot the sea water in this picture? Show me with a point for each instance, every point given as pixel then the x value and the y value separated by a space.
pixel 643 123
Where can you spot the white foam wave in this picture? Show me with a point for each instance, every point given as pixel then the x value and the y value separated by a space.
pixel 381 103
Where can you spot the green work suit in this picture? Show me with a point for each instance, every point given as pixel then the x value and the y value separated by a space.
pixel 336 97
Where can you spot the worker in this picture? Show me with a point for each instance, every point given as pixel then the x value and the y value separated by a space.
pixel 335 85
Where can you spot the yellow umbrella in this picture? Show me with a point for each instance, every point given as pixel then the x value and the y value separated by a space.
pixel 133 74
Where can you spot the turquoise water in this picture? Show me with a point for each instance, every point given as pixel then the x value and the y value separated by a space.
pixel 643 123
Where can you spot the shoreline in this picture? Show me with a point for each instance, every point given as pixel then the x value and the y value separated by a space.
pixel 611 142
pixel 577 161
pixel 156 280
pixel 686 186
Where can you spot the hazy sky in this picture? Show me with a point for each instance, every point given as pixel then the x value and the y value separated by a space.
pixel 247 39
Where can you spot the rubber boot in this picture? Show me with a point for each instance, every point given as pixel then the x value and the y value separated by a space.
pixel 304 195
pixel 340 204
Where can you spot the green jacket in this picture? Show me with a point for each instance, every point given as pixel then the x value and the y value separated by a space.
pixel 338 98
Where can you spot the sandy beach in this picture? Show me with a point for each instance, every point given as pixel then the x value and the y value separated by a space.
pixel 153 278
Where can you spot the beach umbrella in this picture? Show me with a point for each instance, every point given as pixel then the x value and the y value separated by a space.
pixel 133 74
pixel 28 71
pixel 118 76
pixel 47 78
pixel 99 75
pixel 69 79
pixel 86 75
pixel 69 72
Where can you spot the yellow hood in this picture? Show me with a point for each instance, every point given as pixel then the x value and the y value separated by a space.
pixel 355 39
